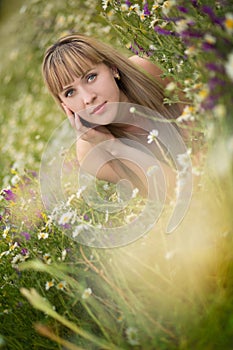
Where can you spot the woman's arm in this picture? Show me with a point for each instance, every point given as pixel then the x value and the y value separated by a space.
pixel 115 161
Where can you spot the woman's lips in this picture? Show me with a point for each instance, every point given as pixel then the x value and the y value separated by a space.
pixel 99 109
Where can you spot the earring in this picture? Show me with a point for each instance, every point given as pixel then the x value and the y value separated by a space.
pixel 117 75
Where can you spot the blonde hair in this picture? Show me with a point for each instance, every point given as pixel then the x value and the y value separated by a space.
pixel 72 55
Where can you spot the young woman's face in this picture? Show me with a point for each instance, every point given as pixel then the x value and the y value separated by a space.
pixel 91 95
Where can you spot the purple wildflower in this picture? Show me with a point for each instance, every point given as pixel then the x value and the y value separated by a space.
pixel 194 3
pixel 26 235
pixel 207 46
pixel 9 195
pixel 66 226
pixel 215 82
pixel 86 217
pixel 146 9
pixel 172 19
pixel 182 9
pixel 134 50
pixel 210 12
pixel 210 102
pixel 128 3
pixel 162 31
pixel 24 251
pixel 191 34
pixel 214 67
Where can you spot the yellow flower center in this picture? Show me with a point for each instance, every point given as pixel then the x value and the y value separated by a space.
pixel 229 23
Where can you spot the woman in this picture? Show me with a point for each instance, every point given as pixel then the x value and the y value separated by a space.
pixel 88 78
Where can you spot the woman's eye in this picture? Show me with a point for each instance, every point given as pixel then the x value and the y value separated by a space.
pixel 91 77
pixel 69 93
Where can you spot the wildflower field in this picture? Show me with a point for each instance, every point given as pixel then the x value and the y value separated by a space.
pixel 160 291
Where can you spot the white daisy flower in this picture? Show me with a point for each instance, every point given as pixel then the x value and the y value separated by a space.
pixel 6 231
pixel 49 284
pixel 132 336
pixel 228 23
pixel 42 235
pixel 65 218
pixel 105 4
pixel 152 136
pixel 61 285
pixel 87 292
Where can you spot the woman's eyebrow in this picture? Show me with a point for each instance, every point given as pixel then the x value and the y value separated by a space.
pixel 66 88
pixel 82 76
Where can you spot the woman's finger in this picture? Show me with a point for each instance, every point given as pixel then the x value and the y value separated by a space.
pixel 70 115
pixel 78 124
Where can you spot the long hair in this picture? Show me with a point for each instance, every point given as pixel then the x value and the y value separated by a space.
pixel 72 55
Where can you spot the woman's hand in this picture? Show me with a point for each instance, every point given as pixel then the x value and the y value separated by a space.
pixel 94 135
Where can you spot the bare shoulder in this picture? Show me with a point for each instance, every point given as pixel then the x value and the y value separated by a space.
pixel 146 65
pixel 149 68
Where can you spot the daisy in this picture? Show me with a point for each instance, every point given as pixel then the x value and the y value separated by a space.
pixel 124 7
pixel 228 23
pixel 87 292
pixel 152 136
pixel 135 8
pixel 61 285
pixel 5 232
pixel 42 235
pixel 105 4
pixel 12 246
pixel 132 110
pixel 65 218
pixel 191 51
pixel 47 258
pixel 167 5
pixel 187 114
pixel 210 39
pixel 49 284
pixel 132 336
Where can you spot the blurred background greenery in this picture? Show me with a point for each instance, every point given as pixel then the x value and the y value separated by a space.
pixel 27 113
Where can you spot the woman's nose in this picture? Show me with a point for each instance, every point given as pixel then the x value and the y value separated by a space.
pixel 88 97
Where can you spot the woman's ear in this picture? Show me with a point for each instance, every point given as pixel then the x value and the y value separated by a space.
pixel 115 72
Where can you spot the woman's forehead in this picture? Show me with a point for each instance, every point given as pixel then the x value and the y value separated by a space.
pixel 68 72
